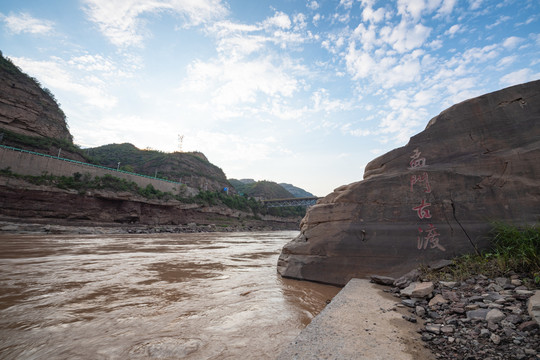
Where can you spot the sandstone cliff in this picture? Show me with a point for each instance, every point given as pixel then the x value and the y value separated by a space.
pixel 432 199
pixel 26 108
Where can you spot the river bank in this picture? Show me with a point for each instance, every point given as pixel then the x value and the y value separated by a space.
pixel 48 226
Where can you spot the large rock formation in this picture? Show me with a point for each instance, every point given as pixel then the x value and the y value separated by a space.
pixel 26 108
pixel 432 199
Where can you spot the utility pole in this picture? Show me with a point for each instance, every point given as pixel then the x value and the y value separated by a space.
pixel 59 150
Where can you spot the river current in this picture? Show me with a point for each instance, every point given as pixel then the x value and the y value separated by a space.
pixel 174 296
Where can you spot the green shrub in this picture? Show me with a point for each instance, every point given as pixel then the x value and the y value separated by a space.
pixel 515 249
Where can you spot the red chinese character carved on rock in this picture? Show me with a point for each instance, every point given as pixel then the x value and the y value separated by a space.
pixel 431 238
pixel 423 179
pixel 421 210
pixel 416 160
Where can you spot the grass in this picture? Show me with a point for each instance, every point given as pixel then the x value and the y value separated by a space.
pixel 515 250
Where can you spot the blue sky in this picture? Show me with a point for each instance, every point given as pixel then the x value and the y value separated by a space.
pixel 304 92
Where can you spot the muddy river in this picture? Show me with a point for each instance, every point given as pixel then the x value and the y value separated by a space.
pixel 175 296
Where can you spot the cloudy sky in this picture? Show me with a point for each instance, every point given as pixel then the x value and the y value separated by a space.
pixel 299 91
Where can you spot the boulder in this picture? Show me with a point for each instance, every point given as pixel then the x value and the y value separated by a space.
pixel 432 199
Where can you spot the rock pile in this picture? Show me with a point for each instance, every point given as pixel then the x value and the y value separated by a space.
pixel 479 318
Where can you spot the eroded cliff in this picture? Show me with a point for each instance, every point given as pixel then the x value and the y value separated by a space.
pixel 432 199
pixel 26 108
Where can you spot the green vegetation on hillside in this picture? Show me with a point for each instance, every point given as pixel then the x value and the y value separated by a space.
pixel 296 191
pixel 85 182
pixel 261 189
pixel 41 144
pixel 171 166
pixel 516 249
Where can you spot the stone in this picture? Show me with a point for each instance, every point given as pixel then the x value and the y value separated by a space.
pixel 496 339
pixel 448 284
pixel 528 325
pixel 477 314
pixel 420 311
pixel 436 300
pixel 447 329
pixel 533 306
pixel 495 316
pixel 409 302
pixel 382 280
pixel 475 161
pixel 405 280
pixel 418 289
pixel 516 282
pixel 433 328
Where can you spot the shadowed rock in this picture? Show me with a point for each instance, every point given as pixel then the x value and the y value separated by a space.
pixel 432 199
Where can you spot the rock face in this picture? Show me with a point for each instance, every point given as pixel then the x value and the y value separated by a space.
pixel 27 109
pixel 432 199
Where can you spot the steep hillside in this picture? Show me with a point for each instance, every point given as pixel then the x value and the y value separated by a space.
pixel 190 168
pixel 267 189
pixel 296 191
pixel 27 108
pixel 261 189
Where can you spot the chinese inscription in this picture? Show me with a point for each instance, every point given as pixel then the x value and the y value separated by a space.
pixel 427 236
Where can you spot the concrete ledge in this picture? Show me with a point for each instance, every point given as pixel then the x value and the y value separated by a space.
pixel 361 322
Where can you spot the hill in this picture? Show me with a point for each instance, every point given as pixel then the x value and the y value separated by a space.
pixel 296 191
pixel 260 189
pixel 190 168
pixel 268 189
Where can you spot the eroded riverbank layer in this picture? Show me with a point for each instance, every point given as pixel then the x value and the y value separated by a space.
pixel 193 296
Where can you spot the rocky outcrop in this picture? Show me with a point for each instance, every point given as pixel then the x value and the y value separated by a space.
pixel 26 108
pixel 432 199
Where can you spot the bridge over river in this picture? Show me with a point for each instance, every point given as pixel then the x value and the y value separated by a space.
pixel 297 201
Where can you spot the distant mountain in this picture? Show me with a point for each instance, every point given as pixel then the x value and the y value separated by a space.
pixel 296 191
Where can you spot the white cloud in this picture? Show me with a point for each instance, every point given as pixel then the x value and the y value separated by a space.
pixel 405 37
pixel 475 4
pixel 446 8
pixel 25 23
pixel 279 20
pixel 374 16
pixel 53 74
pixel 313 5
pixel 511 42
pixel 120 20
pixel 412 8
pixel 347 4
pixel 518 77
pixel 506 61
pixel 453 30
pixel 232 83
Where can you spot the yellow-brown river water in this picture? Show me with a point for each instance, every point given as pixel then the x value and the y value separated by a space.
pixel 174 296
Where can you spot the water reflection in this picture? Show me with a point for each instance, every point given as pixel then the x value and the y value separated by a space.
pixel 194 296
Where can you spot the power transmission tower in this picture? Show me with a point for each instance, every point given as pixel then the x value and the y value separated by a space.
pixel 180 141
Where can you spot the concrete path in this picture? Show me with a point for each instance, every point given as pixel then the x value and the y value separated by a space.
pixel 361 322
